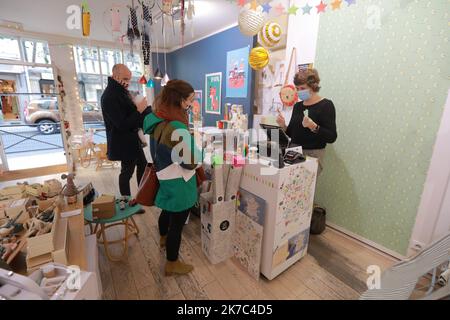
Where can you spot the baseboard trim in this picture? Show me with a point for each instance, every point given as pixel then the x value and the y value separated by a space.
pixel 367 243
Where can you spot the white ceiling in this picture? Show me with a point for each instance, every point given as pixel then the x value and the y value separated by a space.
pixel 49 16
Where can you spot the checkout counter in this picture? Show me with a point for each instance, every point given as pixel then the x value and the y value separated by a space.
pixel 277 195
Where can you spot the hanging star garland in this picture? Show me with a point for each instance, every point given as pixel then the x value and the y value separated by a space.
pixel 241 3
pixel 307 9
pixel 266 7
pixel 336 5
pixel 293 10
pixel 321 7
pixel 279 9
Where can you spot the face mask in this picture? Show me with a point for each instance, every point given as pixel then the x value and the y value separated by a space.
pixel 304 95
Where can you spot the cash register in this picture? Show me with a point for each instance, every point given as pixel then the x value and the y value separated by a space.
pixel 283 146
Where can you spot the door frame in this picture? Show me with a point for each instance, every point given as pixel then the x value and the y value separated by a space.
pixel 430 214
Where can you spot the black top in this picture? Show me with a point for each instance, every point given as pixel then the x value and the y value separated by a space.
pixel 324 114
pixel 122 122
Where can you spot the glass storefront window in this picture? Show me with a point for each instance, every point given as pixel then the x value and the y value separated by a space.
pixel 135 87
pixel 9 48
pixel 24 79
pixel 36 52
pixel 86 60
pixel 108 58
pixel 90 87
pixel 133 62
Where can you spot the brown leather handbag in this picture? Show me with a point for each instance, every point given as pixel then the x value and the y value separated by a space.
pixel 148 188
pixel 149 185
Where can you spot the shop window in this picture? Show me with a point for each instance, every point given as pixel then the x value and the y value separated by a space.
pixel 35 81
pixel 36 52
pixel 86 60
pixel 9 48
pixel 133 62
pixel 109 58
pixel 90 86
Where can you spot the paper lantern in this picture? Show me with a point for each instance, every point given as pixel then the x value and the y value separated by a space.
pixel 150 83
pixel 251 21
pixel 143 80
pixel 288 95
pixel 270 34
pixel 259 58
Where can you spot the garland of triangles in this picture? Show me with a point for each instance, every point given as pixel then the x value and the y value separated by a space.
pixel 280 9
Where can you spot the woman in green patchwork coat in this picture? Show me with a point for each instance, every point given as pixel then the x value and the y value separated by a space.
pixel 176 160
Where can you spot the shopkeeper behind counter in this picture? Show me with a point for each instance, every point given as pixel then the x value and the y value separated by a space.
pixel 313 121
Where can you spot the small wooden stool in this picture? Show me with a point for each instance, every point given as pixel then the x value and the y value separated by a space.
pixel 122 217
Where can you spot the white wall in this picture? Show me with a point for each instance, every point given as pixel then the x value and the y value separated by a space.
pixel 302 35
pixel 433 217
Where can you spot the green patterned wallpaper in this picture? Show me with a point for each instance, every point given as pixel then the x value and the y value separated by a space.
pixel 385 64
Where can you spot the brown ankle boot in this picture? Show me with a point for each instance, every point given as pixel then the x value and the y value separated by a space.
pixel 162 241
pixel 177 267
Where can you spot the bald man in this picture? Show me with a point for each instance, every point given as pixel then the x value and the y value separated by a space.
pixel 123 118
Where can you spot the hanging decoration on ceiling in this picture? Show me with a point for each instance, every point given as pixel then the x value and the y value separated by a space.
pixel 182 25
pixel 167 6
pixel 116 21
pixel 133 29
pixel 86 19
pixel 288 93
pixel 112 21
pixel 270 35
pixel 190 15
pixel 167 10
pixel 311 7
pixel 259 58
pixel 143 80
pixel 251 20
pixel 147 22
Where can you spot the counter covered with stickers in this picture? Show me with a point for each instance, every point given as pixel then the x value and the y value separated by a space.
pixel 278 204
pixel 257 214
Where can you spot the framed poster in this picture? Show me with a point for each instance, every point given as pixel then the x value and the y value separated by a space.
pixel 213 93
pixel 237 73
pixel 195 114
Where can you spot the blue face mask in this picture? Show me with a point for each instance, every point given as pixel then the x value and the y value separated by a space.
pixel 304 95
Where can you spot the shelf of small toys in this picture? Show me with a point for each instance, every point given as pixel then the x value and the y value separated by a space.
pixel 28 223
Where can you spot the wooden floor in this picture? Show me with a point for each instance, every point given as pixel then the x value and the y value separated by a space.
pixel 334 268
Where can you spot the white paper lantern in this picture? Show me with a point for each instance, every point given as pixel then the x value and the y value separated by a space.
pixel 270 34
pixel 251 21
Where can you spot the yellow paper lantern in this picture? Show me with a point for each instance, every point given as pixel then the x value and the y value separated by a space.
pixel 251 21
pixel 259 58
pixel 270 34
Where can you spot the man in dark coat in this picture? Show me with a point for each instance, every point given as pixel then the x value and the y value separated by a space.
pixel 123 118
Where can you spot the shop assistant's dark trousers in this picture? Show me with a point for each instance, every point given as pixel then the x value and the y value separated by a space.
pixel 171 225
pixel 127 171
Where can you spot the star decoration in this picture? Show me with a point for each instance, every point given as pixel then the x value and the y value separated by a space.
pixel 350 2
pixel 307 9
pixel 254 5
pixel 321 7
pixel 241 3
pixel 293 10
pixel 336 4
pixel 266 7
pixel 280 9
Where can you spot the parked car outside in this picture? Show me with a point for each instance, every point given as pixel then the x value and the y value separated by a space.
pixel 45 114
